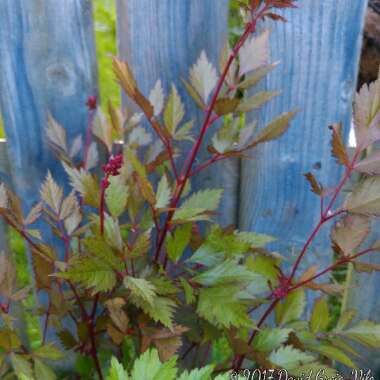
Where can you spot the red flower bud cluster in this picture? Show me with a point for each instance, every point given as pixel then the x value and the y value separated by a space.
pixel 112 168
pixel 92 102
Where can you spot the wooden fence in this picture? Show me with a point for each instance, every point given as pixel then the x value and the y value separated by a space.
pixel 48 64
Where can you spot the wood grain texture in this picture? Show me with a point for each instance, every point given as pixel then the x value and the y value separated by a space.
pixel 319 50
pixel 161 40
pixel 47 59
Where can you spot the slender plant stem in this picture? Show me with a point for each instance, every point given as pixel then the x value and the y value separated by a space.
pixel 101 209
pixel 187 167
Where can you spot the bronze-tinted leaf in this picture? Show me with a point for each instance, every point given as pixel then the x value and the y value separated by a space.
pixel 125 77
pixel 338 149
pixel 315 186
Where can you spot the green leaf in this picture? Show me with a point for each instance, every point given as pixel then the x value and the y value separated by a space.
pixel 189 292
pixel 269 339
pixel 140 288
pixel 266 266
pixel 49 352
pixel 91 272
pixel 163 193
pixel 274 129
pixel 174 110
pixel 161 310
pixel 225 273
pixel 292 309
pixel 365 199
pixel 320 316
pixel 256 101
pixel 254 78
pixel 116 196
pixel 289 358
pixel 42 371
pixel 254 239
pixel 203 76
pixel 221 307
pixel 197 204
pixel 21 365
pixel 198 374
pixel 345 318
pixel 334 353
pixel 365 332
pixel 117 372
pixel 177 243
pixel 149 367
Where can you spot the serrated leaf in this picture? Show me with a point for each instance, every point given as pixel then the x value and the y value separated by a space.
pixel 255 77
pixel 69 206
pixel 320 316
pixel 338 150
pixel 7 276
pixel 177 242
pixel 315 186
pixel 56 134
pixel 345 318
pixel 149 367
pixel 350 232
pixel 124 76
pixel 274 129
pixel 370 165
pixel 157 98
pixel 198 203
pixel 117 371
pixel 256 101
pixel 193 93
pixel 163 193
pixel 292 308
pixel 141 245
pixel 183 133
pixel 203 76
pixel 116 196
pixel 140 288
pixel 188 289
pixel 269 339
pixel 42 371
pixel 91 272
pixel 51 193
pixel 139 137
pixel 221 307
pixel 254 53
pixel 289 358
pixel 21 365
pixel 174 110
pixel 49 352
pixel 198 373
pixel 334 353
pixel 161 310
pixel 365 198
pixel 225 106
pixel 365 332
pixel 34 214
pixel 225 273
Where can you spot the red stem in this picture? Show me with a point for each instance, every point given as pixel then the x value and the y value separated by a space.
pixel 187 167
pixel 101 209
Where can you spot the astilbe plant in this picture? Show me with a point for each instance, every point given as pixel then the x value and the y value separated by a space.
pixel 140 279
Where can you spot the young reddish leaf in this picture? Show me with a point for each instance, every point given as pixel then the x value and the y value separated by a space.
pixel 338 150
pixel 365 198
pixel 275 17
pixel 370 165
pixel 225 106
pixel 157 98
pixel 52 194
pixel 125 77
pixel 254 53
pixel 315 186
pixel 350 232
pixel 203 76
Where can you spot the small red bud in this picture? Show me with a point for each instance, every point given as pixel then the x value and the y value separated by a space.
pixel 92 102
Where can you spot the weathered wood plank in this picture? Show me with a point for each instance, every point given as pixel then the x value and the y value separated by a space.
pixel 319 50
pixel 48 65
pixel 161 40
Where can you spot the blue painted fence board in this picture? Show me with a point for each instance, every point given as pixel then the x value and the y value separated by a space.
pixel 161 40
pixel 48 64
pixel 319 50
